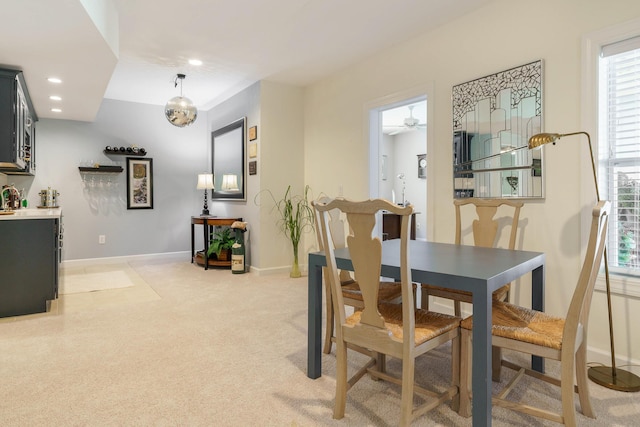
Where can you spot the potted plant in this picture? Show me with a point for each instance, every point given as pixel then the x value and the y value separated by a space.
pixel 220 243
pixel 296 217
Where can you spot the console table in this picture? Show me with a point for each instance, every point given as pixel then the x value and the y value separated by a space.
pixel 391 226
pixel 208 222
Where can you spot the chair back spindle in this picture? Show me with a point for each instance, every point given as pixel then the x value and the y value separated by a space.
pixel 485 227
pixel 366 256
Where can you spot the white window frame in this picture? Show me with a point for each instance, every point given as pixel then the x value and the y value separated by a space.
pixel 592 44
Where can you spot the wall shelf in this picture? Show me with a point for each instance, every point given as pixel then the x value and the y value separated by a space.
pixel 101 169
pixel 124 153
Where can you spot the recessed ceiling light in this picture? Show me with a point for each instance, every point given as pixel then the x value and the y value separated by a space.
pixel 55 98
pixel 195 62
pixel 54 80
pixel 56 110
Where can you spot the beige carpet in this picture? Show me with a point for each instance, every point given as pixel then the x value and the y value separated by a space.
pixel 189 347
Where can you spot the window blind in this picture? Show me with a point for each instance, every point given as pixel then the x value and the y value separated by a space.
pixel 620 150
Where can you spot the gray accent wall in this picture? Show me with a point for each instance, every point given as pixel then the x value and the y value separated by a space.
pixel 98 207
pixel 94 205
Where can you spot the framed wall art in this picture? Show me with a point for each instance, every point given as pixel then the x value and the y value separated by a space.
pixel 253 150
pixel 139 183
pixel 228 160
pixel 493 119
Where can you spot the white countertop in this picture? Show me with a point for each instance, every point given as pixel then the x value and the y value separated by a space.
pixel 32 214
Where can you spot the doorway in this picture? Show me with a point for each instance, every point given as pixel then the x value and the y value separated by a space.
pixel 398 155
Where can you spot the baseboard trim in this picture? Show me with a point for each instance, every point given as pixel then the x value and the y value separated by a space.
pixel 166 256
pixel 276 270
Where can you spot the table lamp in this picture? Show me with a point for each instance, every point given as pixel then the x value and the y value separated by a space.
pixel 205 182
pixel 230 182
pixel 607 376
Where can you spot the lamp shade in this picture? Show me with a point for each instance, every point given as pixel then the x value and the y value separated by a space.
pixel 205 181
pixel 543 138
pixel 230 182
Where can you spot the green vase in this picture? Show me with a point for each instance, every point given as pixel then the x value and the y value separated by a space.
pixel 295 268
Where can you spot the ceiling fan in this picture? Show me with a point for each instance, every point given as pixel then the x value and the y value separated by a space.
pixel 409 124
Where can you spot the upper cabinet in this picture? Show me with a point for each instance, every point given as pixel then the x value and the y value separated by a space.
pixel 17 125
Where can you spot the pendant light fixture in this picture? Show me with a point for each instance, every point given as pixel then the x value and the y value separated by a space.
pixel 180 111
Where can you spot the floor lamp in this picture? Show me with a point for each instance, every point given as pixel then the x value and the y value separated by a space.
pixel 607 376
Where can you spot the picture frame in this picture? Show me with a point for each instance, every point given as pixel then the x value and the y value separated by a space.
pixel 253 150
pixel 253 167
pixel 228 161
pixel 422 166
pixel 253 133
pixel 139 183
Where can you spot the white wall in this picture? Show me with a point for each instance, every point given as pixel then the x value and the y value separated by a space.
pixel 281 164
pixel 401 151
pixel 499 36
pixel 407 146
pixel 387 185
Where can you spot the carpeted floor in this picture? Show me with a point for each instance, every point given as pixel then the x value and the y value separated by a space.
pixel 188 347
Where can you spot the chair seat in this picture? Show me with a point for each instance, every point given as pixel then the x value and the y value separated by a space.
pixel 523 324
pixel 498 294
pixel 388 291
pixel 429 324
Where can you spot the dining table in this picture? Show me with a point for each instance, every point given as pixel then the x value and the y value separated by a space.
pixel 478 270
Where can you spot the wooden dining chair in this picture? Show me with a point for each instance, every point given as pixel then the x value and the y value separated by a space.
pixel 397 330
pixel 389 291
pixel 485 233
pixel 533 332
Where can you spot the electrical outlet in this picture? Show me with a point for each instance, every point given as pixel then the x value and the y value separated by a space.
pixel 101 239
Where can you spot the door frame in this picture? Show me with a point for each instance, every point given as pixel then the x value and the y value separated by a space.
pixel 373 134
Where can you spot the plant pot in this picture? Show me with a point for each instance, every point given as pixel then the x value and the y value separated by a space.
pixel 225 255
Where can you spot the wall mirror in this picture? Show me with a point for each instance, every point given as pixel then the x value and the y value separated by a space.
pixel 227 161
pixel 493 119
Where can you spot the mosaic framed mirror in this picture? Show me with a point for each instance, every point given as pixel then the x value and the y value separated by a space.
pixel 493 118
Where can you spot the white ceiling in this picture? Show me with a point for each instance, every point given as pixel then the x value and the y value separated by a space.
pixel 239 41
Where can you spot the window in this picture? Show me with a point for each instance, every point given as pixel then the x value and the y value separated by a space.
pixel 619 150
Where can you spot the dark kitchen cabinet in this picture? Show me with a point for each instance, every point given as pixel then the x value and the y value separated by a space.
pixel 28 265
pixel 17 125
